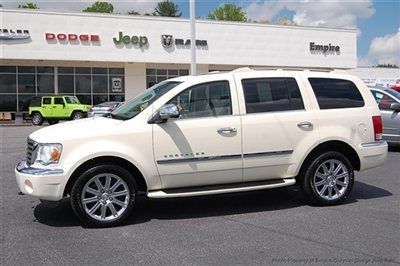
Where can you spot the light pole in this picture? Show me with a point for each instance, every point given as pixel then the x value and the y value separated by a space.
pixel 192 38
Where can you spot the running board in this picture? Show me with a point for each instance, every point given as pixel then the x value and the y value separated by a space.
pixel 220 189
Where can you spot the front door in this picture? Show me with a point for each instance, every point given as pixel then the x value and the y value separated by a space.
pixel 203 146
pixel 390 118
pixel 59 107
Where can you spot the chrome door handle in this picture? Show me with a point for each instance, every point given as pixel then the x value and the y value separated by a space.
pixel 305 124
pixel 227 130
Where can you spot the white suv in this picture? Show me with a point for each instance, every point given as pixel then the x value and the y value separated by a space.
pixel 209 134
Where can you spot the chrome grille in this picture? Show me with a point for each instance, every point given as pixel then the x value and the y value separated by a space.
pixel 30 149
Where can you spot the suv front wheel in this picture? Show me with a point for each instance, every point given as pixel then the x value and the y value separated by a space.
pixel 104 196
pixel 329 179
pixel 77 115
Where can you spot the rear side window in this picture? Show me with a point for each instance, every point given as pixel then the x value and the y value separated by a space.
pixel 46 100
pixel 271 95
pixel 336 93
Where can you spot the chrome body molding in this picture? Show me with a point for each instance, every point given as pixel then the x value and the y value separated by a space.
pixel 23 168
pixel 222 157
pixel 268 153
pixel 373 144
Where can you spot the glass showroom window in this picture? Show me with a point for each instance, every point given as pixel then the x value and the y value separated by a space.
pixel 19 84
pixel 154 76
pixel 92 85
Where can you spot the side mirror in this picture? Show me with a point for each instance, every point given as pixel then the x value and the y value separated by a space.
pixel 395 106
pixel 168 111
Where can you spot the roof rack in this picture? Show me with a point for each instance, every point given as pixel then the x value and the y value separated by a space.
pixel 246 69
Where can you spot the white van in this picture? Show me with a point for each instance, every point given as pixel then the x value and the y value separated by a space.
pixel 210 134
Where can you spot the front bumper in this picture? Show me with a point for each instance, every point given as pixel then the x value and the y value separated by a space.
pixel 43 183
pixel 373 154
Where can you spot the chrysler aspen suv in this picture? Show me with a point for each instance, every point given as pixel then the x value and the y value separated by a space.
pixel 209 134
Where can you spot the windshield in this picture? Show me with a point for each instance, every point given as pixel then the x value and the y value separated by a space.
pixel 71 100
pixel 394 93
pixel 136 105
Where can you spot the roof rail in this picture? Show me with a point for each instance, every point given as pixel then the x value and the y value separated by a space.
pixel 246 69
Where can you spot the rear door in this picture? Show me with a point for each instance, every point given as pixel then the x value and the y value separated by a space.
pixel 275 124
pixel 46 109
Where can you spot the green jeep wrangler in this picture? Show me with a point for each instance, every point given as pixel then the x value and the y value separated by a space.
pixel 55 108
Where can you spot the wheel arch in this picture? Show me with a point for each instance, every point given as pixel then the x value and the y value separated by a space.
pixel 332 145
pixel 127 165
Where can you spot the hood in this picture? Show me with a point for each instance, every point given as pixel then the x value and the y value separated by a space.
pixel 88 127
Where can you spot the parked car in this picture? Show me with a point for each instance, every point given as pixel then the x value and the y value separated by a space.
pixel 55 108
pixel 396 87
pixel 103 108
pixel 209 134
pixel 389 104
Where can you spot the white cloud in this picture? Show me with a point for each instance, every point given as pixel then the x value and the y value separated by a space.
pixel 120 6
pixel 383 50
pixel 336 14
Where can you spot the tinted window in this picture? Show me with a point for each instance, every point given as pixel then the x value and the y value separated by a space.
pixel 336 93
pixel 46 100
pixel 66 84
pixel 271 94
pixel 203 100
pixel 58 100
pixel 384 101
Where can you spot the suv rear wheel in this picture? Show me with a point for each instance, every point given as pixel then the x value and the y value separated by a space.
pixel 77 115
pixel 37 119
pixel 329 179
pixel 104 196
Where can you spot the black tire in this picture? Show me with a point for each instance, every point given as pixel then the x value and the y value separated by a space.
pixel 37 119
pixel 52 122
pixel 313 183
pixel 77 115
pixel 82 211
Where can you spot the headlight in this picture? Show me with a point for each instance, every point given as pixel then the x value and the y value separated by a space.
pixel 48 153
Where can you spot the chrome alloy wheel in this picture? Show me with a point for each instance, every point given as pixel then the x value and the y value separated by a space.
pixel 105 197
pixel 331 179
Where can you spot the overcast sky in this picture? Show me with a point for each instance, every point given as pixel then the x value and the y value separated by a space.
pixel 377 22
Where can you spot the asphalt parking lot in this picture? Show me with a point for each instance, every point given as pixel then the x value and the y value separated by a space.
pixel 264 227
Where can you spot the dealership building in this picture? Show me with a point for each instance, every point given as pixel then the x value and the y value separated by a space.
pixel 102 57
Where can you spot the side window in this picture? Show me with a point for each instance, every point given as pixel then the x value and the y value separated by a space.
pixel 385 102
pixel 336 93
pixel 46 100
pixel 377 95
pixel 58 100
pixel 204 100
pixel 271 94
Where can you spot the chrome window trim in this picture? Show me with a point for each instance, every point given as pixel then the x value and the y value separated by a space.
pixel 24 169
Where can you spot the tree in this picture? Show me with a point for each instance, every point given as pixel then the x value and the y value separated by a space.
pixel 286 21
pixel 28 6
pixel 134 13
pixel 100 7
pixel 228 12
pixel 167 8
pixel 387 65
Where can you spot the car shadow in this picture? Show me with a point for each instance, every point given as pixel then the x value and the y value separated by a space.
pixel 205 206
pixel 394 148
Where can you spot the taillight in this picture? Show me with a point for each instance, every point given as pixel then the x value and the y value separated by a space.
pixel 110 110
pixel 90 110
pixel 377 121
